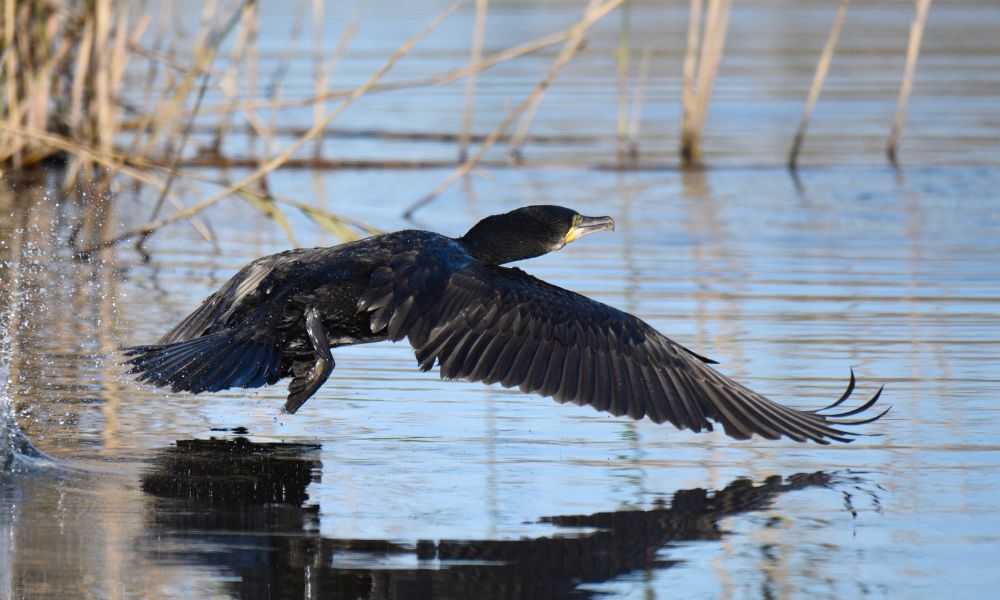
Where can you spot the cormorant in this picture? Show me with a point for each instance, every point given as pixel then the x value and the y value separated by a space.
pixel 450 297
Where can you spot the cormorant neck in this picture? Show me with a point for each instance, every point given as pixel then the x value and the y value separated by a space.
pixel 495 245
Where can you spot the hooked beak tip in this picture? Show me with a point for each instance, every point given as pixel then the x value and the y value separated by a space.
pixel 588 225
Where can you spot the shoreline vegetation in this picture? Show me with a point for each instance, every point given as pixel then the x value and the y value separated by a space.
pixel 65 63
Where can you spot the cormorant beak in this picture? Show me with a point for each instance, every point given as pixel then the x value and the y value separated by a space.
pixel 586 225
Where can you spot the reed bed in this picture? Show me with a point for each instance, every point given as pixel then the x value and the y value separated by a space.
pixel 65 64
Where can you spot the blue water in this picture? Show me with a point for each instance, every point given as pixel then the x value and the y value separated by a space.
pixel 392 483
pixel 788 284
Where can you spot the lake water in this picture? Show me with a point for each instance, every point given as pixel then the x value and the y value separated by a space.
pixel 391 483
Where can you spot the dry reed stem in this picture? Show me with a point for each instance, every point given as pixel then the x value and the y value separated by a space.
pixel 90 153
pixel 115 60
pixel 433 80
pixel 645 62
pixel 76 96
pixel 534 100
pixel 690 60
pixel 204 52
pixel 822 67
pixel 712 44
pixel 329 220
pixel 906 86
pixel 319 73
pixel 10 74
pixel 253 63
pixel 342 44
pixel 227 84
pixel 264 203
pixel 113 160
pixel 278 160
pixel 102 89
pixel 594 13
pixel 475 56
pixel 622 60
pixel 177 152
pixel 273 88
pixel 436 80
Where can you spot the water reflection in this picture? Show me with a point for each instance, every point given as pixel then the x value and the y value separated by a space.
pixel 789 286
pixel 243 508
pixel 239 506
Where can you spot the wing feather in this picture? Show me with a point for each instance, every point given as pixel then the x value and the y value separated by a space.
pixel 219 310
pixel 496 324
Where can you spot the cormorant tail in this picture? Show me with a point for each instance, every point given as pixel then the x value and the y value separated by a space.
pixel 208 363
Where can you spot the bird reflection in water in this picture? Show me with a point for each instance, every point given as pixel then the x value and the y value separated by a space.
pixel 241 507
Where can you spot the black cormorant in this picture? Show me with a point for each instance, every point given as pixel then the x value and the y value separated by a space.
pixel 280 315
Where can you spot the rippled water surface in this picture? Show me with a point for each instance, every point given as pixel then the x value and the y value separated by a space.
pixel 392 483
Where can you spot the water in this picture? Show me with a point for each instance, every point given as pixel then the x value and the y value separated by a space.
pixel 757 101
pixel 392 483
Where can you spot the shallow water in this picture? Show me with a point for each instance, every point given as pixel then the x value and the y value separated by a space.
pixel 390 482
pixel 757 100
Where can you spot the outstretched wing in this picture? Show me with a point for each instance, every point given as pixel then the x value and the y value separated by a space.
pixel 241 293
pixel 500 325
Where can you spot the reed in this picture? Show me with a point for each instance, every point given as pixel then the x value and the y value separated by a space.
pixel 594 13
pixel 635 113
pixel 822 67
pixel 63 64
pixel 325 67
pixel 61 70
pixel 92 121
pixel 243 185
pixel 622 55
pixel 529 107
pixel 906 86
pixel 475 56
pixel 706 41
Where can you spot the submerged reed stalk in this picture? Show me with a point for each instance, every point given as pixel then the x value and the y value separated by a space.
pixel 697 88
pixel 621 60
pixel 593 14
pixel 326 68
pixel 264 169
pixel 475 56
pixel 533 101
pixel 319 71
pixel 817 84
pixel 635 115
pixel 906 86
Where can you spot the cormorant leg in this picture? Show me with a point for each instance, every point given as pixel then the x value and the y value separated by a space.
pixel 308 378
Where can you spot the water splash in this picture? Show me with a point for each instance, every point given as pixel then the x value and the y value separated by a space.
pixel 16 450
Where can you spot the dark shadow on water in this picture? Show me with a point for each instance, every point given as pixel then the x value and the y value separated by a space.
pixel 243 509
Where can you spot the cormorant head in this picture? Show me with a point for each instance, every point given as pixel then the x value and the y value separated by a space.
pixel 528 232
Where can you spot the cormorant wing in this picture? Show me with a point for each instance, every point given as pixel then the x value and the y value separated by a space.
pixel 500 325
pixel 251 283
